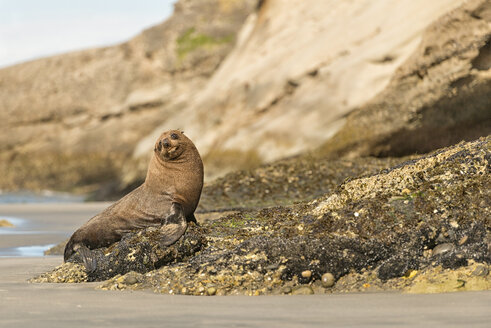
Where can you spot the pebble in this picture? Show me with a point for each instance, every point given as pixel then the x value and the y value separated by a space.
pixel 303 290
pixel 130 280
pixel 286 290
pixel 272 267
pixel 211 291
pixel 443 248
pixel 463 240
pixel 307 274
pixel 327 280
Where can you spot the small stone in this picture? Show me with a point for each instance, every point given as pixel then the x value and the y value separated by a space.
pixel 272 267
pixel 307 274
pixel 211 291
pixel 406 191
pixel 410 274
pixel 327 280
pixel 463 240
pixel 443 248
pixel 454 224
pixel 427 253
pixel 303 290
pixel 130 280
pixel 481 270
pixel 286 290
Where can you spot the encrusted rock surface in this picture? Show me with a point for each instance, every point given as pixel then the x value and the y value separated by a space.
pixel 421 226
pixel 139 252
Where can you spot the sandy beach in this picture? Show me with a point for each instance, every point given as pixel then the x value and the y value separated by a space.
pixel 24 304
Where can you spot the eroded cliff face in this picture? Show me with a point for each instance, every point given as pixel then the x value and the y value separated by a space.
pixel 300 67
pixel 439 96
pixel 72 120
pixel 341 78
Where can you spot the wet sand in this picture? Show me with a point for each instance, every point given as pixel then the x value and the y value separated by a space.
pixel 24 304
pixel 44 224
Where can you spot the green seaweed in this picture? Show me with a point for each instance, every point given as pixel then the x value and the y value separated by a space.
pixel 191 40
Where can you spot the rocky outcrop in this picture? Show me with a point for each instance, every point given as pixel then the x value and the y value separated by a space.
pixel 439 96
pixel 402 228
pixel 73 120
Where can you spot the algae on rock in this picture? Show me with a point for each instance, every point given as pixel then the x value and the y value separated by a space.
pixel 380 231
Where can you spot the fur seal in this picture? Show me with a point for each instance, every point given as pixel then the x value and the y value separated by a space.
pixel 167 199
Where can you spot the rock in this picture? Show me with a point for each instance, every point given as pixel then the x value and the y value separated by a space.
pixel 132 278
pixel 287 180
pixel 5 224
pixel 463 240
pixel 73 120
pixel 481 270
pixel 260 99
pixel 141 252
pixel 211 291
pixel 303 290
pixel 394 89
pixel 65 273
pixel 57 249
pixel 262 251
pixel 443 248
pixel 327 280
pixel 446 81
pixel 438 280
pixel 307 274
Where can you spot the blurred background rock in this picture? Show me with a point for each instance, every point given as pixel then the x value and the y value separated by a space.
pixel 250 82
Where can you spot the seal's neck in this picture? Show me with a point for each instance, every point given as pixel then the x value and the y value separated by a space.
pixel 182 178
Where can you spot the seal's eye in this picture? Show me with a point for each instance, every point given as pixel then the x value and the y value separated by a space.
pixel 174 136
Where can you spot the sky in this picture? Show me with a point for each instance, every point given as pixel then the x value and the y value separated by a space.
pixel 30 29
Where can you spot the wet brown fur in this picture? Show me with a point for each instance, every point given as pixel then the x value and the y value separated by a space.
pixel 172 188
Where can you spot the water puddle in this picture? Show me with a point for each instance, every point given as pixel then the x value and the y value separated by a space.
pixel 22 227
pixel 28 251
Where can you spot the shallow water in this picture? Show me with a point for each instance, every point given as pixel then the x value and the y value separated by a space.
pixel 30 251
pixel 43 197
pixel 17 222
pixel 22 227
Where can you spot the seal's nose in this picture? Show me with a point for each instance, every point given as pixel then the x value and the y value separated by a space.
pixel 166 143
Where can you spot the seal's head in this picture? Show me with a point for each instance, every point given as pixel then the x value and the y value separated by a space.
pixel 176 169
pixel 171 145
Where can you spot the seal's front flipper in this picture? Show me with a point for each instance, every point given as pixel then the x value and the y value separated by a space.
pixel 174 226
pixel 192 218
pixel 88 258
